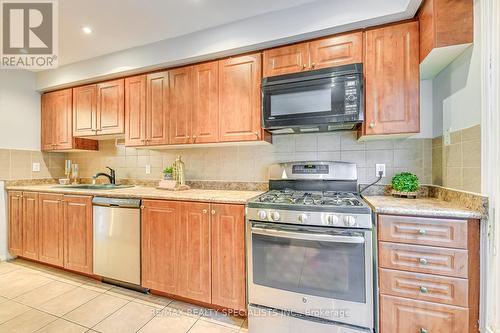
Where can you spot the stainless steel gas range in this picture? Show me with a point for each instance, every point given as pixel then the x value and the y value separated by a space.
pixel 309 252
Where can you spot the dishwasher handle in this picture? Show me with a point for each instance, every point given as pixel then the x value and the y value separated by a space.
pixel 116 202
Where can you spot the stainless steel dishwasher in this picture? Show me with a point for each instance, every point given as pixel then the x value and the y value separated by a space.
pixel 117 239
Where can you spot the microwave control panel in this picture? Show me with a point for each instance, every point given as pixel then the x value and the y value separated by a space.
pixel 351 96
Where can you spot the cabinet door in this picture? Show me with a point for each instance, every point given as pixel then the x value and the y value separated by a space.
pixel 160 230
pixel 84 110
pixel 50 229
pixel 408 316
pixel 336 51
pixel 47 122
pixel 206 102
pixel 240 112
pixel 62 113
pixel 135 111
pixel 392 80
pixel 286 59
pixel 228 256
pixel 157 106
pixel 110 107
pixel 181 105
pixel 15 223
pixel 30 225
pixel 195 275
pixel 78 233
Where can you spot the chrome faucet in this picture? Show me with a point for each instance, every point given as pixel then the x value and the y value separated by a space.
pixel 111 176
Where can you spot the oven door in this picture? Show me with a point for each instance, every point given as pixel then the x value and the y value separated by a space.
pixel 311 102
pixel 319 272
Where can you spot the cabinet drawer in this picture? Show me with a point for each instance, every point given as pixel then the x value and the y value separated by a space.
pixel 424 287
pixel 421 230
pixel 408 316
pixel 423 259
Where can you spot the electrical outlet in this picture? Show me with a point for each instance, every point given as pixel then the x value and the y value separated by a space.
pixel 379 168
pixel 148 169
pixel 36 167
pixel 447 137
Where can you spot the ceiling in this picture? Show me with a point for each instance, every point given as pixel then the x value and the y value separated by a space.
pixel 122 24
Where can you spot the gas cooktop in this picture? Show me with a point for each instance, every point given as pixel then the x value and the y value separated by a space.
pixel 313 198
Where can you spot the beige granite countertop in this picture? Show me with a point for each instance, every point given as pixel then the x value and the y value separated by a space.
pixel 144 192
pixel 431 207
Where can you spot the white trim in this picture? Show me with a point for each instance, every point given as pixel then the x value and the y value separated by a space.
pixel 490 164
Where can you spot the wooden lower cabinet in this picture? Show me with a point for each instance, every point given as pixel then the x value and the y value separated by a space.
pixel 160 245
pixel 409 316
pixel 30 225
pixel 195 250
pixel 15 223
pixel 77 212
pixel 51 229
pixel 228 256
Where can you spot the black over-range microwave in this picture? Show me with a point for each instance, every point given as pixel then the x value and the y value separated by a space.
pixel 314 101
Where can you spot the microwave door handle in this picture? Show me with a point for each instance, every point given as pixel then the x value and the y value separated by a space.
pixel 309 236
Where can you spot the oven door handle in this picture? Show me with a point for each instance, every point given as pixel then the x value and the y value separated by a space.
pixel 308 236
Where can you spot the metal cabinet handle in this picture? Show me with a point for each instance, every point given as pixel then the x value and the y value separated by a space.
pixel 213 211
pixel 205 211
pixel 424 290
pixel 313 65
pixel 372 125
pixel 423 261
pixel 422 232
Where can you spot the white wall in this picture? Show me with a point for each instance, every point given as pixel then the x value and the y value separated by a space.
pixel 310 20
pixel 19 110
pixel 426 111
pixel 457 89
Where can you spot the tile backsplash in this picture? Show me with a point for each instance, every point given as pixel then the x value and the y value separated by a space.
pixel 458 165
pixel 17 164
pixel 251 163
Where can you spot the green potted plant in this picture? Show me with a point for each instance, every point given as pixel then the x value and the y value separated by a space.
pixel 405 184
pixel 167 173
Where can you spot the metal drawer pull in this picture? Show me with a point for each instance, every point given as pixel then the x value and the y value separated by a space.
pixel 213 212
pixel 423 330
pixel 422 232
pixel 205 211
pixel 308 236
pixel 422 261
pixel 424 290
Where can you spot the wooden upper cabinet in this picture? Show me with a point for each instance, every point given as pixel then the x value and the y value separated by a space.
pixel 228 256
pixel 84 110
pixel 320 53
pixel 195 270
pixel 181 105
pixel 15 223
pixel 110 107
pixel 50 229
pixel 336 51
pixel 205 121
pixel 30 225
pixel 286 59
pixel 240 100
pixel 77 217
pixel 160 245
pixel 56 120
pixel 446 29
pixel 135 110
pixel 157 109
pixel 392 80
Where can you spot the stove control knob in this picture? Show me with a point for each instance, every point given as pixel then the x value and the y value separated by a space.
pixel 349 221
pixel 303 218
pixel 275 216
pixel 262 214
pixel 332 219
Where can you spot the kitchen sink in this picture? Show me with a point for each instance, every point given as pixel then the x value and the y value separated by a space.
pixel 94 186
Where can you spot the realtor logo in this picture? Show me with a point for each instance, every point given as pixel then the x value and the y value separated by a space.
pixel 29 34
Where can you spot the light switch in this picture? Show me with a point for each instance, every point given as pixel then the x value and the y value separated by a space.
pixel 36 167
pixel 148 169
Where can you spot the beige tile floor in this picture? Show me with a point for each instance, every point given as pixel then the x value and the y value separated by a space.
pixel 38 298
